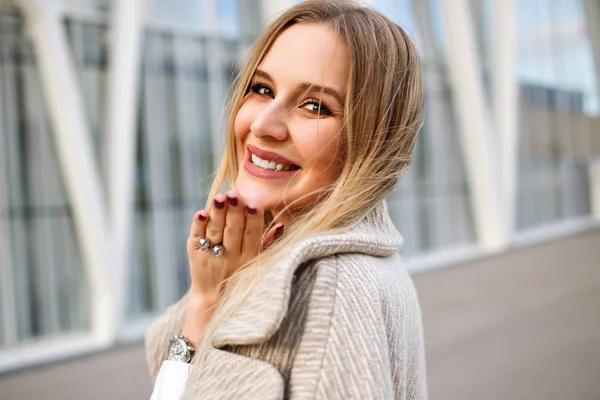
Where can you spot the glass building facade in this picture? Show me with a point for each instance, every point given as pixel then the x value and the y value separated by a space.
pixel 189 53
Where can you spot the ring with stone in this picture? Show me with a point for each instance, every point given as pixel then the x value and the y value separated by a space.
pixel 217 250
pixel 204 244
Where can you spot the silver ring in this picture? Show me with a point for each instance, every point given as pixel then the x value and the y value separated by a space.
pixel 217 250
pixel 204 244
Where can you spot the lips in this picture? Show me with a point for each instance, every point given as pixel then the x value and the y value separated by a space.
pixel 271 156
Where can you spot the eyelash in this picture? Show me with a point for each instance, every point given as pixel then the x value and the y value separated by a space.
pixel 323 109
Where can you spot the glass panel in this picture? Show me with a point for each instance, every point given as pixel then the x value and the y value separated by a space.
pixel 88 43
pixel 85 6
pixel 175 161
pixel 559 100
pixel 174 144
pixel 431 207
pixel 229 21
pixel 180 11
pixel 50 289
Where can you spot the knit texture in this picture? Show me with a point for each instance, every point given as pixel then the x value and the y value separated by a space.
pixel 336 318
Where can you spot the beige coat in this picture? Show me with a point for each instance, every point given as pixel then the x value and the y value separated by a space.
pixel 336 318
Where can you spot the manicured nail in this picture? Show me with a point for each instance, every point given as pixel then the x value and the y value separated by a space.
pixel 202 217
pixel 232 200
pixel 219 204
pixel 251 210
pixel 278 232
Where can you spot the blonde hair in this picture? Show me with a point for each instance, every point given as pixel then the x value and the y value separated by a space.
pixel 383 112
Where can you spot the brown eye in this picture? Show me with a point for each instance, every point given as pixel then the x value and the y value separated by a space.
pixel 317 107
pixel 262 90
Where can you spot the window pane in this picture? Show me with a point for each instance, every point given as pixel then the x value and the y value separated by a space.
pixel 559 101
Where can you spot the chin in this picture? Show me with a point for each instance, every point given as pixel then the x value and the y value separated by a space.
pixel 253 192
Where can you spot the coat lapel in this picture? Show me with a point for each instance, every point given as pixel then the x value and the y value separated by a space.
pixel 224 374
pixel 261 314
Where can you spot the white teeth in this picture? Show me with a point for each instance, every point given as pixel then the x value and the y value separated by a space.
pixel 256 160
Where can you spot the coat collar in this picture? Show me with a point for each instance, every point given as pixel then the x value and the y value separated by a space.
pixel 375 235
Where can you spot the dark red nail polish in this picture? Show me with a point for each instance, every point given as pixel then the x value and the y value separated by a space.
pixel 201 217
pixel 219 204
pixel 251 210
pixel 278 232
pixel 232 201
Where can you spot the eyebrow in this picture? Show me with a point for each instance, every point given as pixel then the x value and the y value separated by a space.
pixel 306 86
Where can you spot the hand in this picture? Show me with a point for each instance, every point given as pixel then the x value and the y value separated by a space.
pixel 239 227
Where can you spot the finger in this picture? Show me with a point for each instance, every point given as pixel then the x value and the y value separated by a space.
pixel 253 230
pixel 234 223
pixel 216 219
pixel 198 229
pixel 273 235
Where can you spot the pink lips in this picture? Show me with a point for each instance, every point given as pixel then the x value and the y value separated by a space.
pixel 266 173
pixel 269 155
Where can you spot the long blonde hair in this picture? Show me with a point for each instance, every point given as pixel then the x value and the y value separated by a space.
pixel 383 111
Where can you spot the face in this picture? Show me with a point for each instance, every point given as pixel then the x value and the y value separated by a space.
pixel 289 125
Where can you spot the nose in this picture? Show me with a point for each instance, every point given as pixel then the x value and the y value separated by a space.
pixel 271 122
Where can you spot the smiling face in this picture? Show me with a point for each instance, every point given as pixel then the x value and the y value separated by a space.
pixel 289 124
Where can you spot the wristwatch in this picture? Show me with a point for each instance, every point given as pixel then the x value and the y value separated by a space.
pixel 180 349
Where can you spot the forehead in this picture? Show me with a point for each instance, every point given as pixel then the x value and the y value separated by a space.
pixel 312 53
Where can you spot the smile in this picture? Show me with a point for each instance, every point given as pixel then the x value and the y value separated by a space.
pixel 268 165
pixel 271 165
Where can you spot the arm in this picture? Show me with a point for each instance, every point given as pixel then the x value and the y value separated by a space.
pixel 189 316
pixel 239 228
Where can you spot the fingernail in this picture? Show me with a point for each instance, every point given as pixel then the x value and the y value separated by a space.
pixel 232 200
pixel 201 217
pixel 251 210
pixel 278 232
pixel 219 204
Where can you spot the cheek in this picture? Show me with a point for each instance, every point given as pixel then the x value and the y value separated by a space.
pixel 242 123
pixel 241 128
pixel 324 149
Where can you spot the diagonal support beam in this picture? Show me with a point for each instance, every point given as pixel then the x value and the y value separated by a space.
pixel 76 156
pixel 120 149
pixel 475 126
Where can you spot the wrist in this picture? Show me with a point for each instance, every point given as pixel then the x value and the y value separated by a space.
pixel 200 301
pixel 198 315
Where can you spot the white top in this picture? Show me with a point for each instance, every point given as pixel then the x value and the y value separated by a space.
pixel 171 380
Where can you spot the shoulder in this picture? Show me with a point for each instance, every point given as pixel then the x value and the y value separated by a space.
pixel 364 324
pixel 363 278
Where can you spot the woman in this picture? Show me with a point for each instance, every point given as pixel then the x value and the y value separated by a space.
pixel 324 117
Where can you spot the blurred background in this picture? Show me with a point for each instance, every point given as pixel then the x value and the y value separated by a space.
pixel 111 124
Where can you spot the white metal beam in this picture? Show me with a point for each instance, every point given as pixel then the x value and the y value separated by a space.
pixel 75 153
pixel 120 134
pixel 505 94
pixel 474 124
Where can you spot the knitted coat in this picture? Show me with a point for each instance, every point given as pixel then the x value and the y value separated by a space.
pixel 336 318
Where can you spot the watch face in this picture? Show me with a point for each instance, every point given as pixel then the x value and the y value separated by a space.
pixel 178 351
